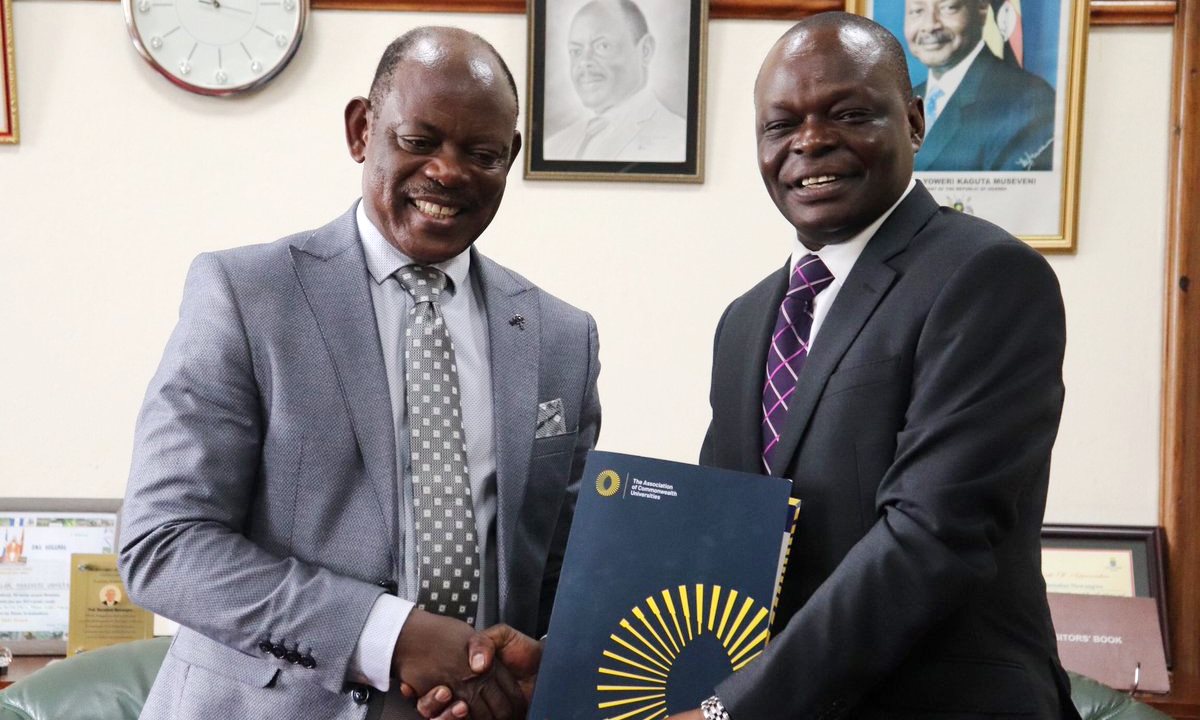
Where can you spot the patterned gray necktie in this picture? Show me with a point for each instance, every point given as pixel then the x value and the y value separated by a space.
pixel 445 521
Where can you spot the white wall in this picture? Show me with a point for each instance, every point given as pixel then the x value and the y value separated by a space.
pixel 120 179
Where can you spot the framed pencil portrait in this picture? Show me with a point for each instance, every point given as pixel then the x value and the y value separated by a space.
pixel 9 129
pixel 616 90
pixel 1001 82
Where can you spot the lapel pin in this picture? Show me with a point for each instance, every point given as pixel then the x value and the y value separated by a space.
pixel 517 321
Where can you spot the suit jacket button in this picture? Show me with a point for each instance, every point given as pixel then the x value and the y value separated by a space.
pixel 266 647
pixel 307 662
pixel 361 695
pixel 292 656
pixel 279 651
pixel 388 585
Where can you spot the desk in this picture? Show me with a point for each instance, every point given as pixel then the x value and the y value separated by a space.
pixel 25 665
pixel 1182 703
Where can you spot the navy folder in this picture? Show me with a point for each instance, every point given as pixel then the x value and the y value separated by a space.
pixel 667 587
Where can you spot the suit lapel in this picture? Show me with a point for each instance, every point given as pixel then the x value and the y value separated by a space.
pixel 515 350
pixel 749 331
pixel 635 120
pixel 856 301
pixel 943 135
pixel 333 275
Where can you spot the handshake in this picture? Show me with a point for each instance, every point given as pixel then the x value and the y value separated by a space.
pixel 452 670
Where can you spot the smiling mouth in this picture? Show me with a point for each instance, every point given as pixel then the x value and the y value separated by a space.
pixel 434 210
pixel 817 181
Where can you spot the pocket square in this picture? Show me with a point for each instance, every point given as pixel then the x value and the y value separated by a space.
pixel 551 420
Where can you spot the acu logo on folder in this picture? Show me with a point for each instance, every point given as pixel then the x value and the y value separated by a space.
pixel 667 587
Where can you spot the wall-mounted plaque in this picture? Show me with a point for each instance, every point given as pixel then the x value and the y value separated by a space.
pixel 101 613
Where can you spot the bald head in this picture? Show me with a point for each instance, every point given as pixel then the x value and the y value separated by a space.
pixel 862 38
pixel 634 19
pixel 432 45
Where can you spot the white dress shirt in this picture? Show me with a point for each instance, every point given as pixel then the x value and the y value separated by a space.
pixel 840 259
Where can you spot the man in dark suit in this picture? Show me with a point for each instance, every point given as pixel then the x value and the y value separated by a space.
pixel 981 113
pixel 905 371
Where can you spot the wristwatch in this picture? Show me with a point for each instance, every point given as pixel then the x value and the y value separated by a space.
pixel 713 709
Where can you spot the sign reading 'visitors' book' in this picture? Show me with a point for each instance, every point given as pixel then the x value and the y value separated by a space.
pixel 667 587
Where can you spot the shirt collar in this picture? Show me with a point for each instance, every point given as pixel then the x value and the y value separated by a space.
pixel 384 259
pixel 840 257
pixel 952 78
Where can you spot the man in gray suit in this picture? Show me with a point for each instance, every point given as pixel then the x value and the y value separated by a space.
pixel 285 459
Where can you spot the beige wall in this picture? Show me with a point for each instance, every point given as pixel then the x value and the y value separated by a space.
pixel 121 179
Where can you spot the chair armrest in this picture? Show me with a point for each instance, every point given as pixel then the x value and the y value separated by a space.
pixel 106 684
pixel 1096 701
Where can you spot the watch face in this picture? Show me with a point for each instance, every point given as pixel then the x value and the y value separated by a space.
pixel 216 47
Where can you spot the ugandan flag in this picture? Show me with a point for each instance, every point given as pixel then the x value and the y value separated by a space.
pixel 1003 31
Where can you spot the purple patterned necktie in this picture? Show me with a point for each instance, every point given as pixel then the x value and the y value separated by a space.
pixel 789 348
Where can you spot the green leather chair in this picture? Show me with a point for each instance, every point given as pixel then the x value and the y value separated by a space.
pixel 1100 702
pixel 106 684
pixel 112 683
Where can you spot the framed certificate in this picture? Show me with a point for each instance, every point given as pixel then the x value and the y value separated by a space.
pixel 39 536
pixel 1115 560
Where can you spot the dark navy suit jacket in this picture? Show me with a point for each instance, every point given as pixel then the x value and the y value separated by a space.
pixel 1000 118
pixel 918 440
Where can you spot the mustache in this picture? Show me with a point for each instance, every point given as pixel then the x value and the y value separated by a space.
pixel 937 36
pixel 440 194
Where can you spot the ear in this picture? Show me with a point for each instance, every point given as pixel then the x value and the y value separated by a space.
pixel 358 127
pixel 646 48
pixel 915 113
pixel 516 148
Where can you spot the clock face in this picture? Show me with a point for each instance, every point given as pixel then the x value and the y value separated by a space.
pixel 216 47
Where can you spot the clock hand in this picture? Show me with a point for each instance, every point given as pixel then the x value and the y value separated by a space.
pixel 217 5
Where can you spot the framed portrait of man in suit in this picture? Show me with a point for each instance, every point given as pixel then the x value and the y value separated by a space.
pixel 8 77
pixel 616 90
pixel 1001 82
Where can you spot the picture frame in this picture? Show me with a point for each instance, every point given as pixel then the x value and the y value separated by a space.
pixel 1005 143
pixel 1121 560
pixel 616 90
pixel 37 538
pixel 9 127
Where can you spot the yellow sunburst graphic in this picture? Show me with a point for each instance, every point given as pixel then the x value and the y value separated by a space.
pixel 608 482
pixel 637 664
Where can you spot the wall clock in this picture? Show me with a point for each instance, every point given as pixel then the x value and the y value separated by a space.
pixel 216 47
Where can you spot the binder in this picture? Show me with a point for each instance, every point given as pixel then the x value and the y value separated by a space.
pixel 668 585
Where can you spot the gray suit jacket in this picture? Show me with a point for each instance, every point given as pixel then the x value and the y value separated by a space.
pixel 262 502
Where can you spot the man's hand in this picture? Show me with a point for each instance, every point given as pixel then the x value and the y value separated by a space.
pixel 689 715
pixel 432 654
pixel 519 653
